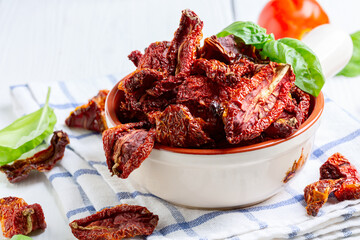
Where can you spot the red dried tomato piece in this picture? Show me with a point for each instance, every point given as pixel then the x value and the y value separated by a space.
pixel 176 127
pixel 140 79
pixel 337 175
pixel 155 57
pixel 165 86
pixel 248 115
pixel 42 161
pixel 133 88
pixel 122 221
pixel 349 190
pixel 91 115
pixel 295 113
pixel 317 193
pixel 17 217
pixel 225 75
pixel 127 147
pixel 135 57
pixel 197 89
pixel 213 49
pixel 182 50
pixel 337 166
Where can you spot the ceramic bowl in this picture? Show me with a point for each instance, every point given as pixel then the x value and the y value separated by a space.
pixel 223 178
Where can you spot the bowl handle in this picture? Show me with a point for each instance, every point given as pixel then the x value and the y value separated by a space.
pixel 333 47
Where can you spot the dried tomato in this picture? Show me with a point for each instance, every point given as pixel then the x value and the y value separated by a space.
pixel 187 38
pixel 337 166
pixel 155 57
pixel 317 193
pixel 42 161
pixel 337 175
pixel 91 115
pixel 122 221
pixel 176 127
pixel 247 115
pixel 17 217
pixel 225 75
pixel 135 57
pixel 126 147
pixel 295 113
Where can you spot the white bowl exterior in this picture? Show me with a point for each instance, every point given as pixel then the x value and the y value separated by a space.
pixel 333 47
pixel 223 180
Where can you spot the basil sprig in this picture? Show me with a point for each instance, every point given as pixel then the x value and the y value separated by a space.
pixel 306 65
pixel 21 237
pixel 25 133
pixel 352 69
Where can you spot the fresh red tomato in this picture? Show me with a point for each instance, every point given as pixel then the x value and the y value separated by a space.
pixel 291 18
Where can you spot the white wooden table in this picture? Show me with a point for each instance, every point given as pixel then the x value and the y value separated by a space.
pixel 48 40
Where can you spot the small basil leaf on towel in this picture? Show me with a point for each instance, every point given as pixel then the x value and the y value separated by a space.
pixel 352 69
pixel 25 133
pixel 21 237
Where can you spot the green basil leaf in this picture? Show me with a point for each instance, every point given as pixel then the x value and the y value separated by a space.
pixel 352 69
pixel 306 65
pixel 25 133
pixel 21 237
pixel 249 32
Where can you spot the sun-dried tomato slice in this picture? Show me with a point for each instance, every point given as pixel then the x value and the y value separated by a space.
pixel 337 166
pixel 213 49
pixel 126 147
pixel 155 57
pixel 122 221
pixel 17 217
pixel 317 193
pixel 247 115
pixel 135 57
pixel 91 115
pixel 337 175
pixel 176 127
pixel 225 75
pixel 42 161
pixel 182 50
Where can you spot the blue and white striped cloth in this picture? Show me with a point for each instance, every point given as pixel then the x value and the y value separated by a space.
pixel 84 186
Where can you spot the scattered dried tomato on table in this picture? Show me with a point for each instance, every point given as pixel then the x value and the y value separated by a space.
pixel 42 161
pixel 17 217
pixel 219 95
pixel 122 221
pixel 91 115
pixel 338 176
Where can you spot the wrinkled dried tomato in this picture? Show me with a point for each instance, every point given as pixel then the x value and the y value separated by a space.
pixel 91 115
pixel 225 75
pixel 176 127
pixel 337 175
pixel 17 217
pixel 337 166
pixel 186 40
pixel 155 57
pixel 122 221
pixel 126 147
pixel 247 118
pixel 42 161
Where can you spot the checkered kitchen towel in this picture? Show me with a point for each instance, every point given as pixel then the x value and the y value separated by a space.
pixel 84 185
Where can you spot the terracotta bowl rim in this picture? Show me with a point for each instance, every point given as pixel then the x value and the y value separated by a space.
pixel 318 107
